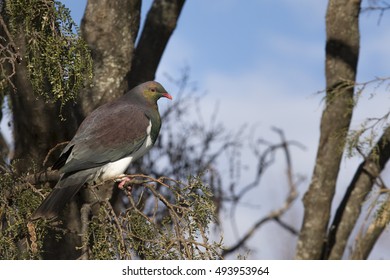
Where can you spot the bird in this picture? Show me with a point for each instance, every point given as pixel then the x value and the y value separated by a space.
pixel 108 140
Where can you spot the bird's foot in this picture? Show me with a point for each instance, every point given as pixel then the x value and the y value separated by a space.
pixel 122 183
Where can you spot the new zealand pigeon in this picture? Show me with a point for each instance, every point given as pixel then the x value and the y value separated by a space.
pixel 107 141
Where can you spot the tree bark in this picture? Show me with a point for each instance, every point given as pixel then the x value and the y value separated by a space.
pixel 342 51
pixel 110 28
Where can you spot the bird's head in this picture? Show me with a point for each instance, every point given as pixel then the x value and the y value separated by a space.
pixel 153 91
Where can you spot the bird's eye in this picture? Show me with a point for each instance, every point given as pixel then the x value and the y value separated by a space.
pixel 153 90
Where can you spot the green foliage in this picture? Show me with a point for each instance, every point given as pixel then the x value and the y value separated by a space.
pixel 165 219
pixel 360 141
pixel 363 140
pixel 18 238
pixel 58 60
pixel 171 223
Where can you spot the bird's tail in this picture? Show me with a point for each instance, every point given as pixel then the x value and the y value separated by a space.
pixel 66 188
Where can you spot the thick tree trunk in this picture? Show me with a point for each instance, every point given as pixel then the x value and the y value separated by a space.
pixel 110 28
pixel 342 51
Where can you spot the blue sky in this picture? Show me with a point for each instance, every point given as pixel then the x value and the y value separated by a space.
pixel 263 62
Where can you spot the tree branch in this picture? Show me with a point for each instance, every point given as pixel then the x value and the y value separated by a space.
pixel 159 25
pixel 377 6
pixel 349 209
pixel 42 177
pixel 366 241
pixel 278 213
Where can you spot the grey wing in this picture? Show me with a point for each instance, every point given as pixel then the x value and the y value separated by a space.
pixel 111 132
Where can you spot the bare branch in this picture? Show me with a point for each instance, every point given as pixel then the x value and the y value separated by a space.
pixel 276 214
pixel 377 6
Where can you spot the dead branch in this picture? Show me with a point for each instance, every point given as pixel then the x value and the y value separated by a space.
pixel 276 214
pixel 377 6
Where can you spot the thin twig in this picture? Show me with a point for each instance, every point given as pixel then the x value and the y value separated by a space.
pixel 276 214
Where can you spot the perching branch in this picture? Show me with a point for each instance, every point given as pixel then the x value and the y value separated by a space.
pixel 167 229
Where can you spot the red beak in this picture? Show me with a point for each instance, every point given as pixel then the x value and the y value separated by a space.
pixel 167 95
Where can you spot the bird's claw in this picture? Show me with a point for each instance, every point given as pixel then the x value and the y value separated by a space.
pixel 122 183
